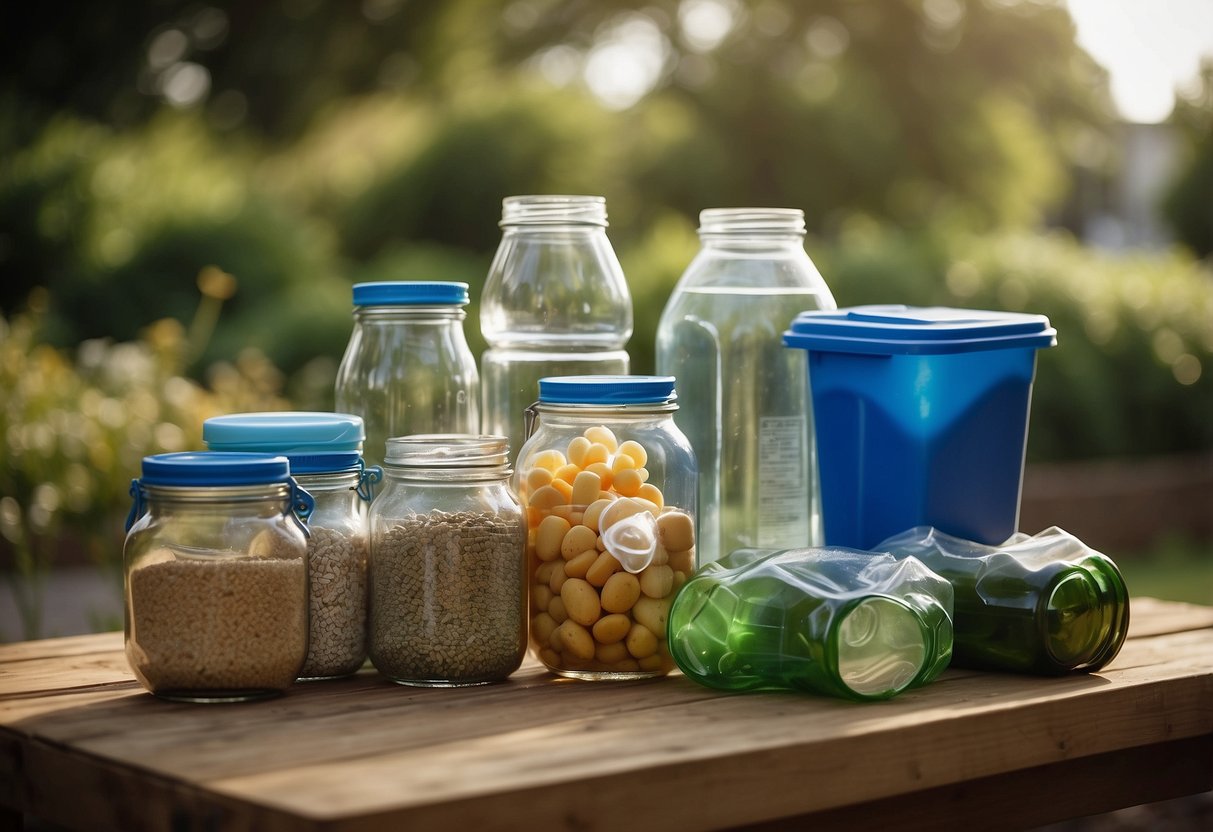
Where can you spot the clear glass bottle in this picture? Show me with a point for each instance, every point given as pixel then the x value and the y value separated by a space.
pixel 324 450
pixel 609 485
pixel 555 303
pixel 448 563
pixel 840 622
pixel 407 368
pixel 215 575
pixel 745 402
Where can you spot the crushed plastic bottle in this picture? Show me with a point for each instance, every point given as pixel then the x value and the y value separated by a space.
pixel 839 622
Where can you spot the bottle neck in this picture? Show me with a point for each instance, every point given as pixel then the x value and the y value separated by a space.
pixel 752 228
pixel 565 212
pixel 380 315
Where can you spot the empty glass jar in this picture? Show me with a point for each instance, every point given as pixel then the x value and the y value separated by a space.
pixel 408 368
pixel 555 303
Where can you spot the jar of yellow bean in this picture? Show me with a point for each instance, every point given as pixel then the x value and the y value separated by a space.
pixel 609 485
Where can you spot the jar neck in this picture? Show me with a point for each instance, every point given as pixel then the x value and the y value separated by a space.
pixel 268 498
pixel 358 483
pixel 566 212
pixel 579 415
pixel 437 315
pixel 752 228
pixel 448 476
pixel 448 458
pixel 261 499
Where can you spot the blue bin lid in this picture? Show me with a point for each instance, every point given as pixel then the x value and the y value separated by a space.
pixel 908 330
pixel 410 293
pixel 608 390
pixel 314 442
pixel 209 468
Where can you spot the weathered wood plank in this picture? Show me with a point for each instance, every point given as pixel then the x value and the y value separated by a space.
pixel 356 753
pixel 49 648
pixel 136 727
pixel 1151 617
pixel 1032 797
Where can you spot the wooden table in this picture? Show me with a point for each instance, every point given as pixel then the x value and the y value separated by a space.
pixel 82 745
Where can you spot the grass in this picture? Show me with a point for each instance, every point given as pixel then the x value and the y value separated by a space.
pixel 1174 570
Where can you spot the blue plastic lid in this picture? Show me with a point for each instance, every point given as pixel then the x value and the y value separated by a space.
pixel 606 389
pixel 410 293
pixel 908 330
pixel 314 442
pixel 210 468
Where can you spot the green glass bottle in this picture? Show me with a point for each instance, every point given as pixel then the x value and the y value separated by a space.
pixel 831 621
pixel 1044 604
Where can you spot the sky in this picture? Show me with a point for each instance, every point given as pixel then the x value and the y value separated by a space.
pixel 1149 48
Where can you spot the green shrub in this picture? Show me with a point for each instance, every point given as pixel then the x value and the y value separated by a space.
pixel 76 425
pixel 1132 373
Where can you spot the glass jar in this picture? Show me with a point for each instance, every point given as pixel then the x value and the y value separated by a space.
pixel 555 303
pixel 407 368
pixel 215 576
pixel 745 402
pixel 609 484
pixel 447 563
pixel 324 452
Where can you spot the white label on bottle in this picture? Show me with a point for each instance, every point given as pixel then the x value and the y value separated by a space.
pixel 783 489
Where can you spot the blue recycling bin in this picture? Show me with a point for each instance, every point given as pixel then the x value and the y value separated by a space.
pixel 921 417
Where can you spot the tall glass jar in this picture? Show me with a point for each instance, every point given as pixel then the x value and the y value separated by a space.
pixel 609 484
pixel 324 451
pixel 408 368
pixel 448 563
pixel 215 576
pixel 555 303
pixel 745 403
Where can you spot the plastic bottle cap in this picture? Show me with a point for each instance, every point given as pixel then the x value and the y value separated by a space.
pixel 606 389
pixel 410 293
pixel 212 468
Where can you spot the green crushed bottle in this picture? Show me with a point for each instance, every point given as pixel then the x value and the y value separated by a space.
pixel 831 621
pixel 1046 604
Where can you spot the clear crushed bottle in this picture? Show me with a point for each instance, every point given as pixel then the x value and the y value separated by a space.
pixel 745 405
pixel 555 304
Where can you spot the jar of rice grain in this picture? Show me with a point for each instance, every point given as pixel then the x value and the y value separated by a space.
pixel 447 563
pixel 324 450
pixel 215 576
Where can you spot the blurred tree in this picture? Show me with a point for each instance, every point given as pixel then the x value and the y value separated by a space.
pixel 919 111
pixel 903 108
pixel 1188 203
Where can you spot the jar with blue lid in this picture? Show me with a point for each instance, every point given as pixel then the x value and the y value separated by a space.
pixel 609 484
pixel 408 368
pixel 325 453
pixel 215 576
